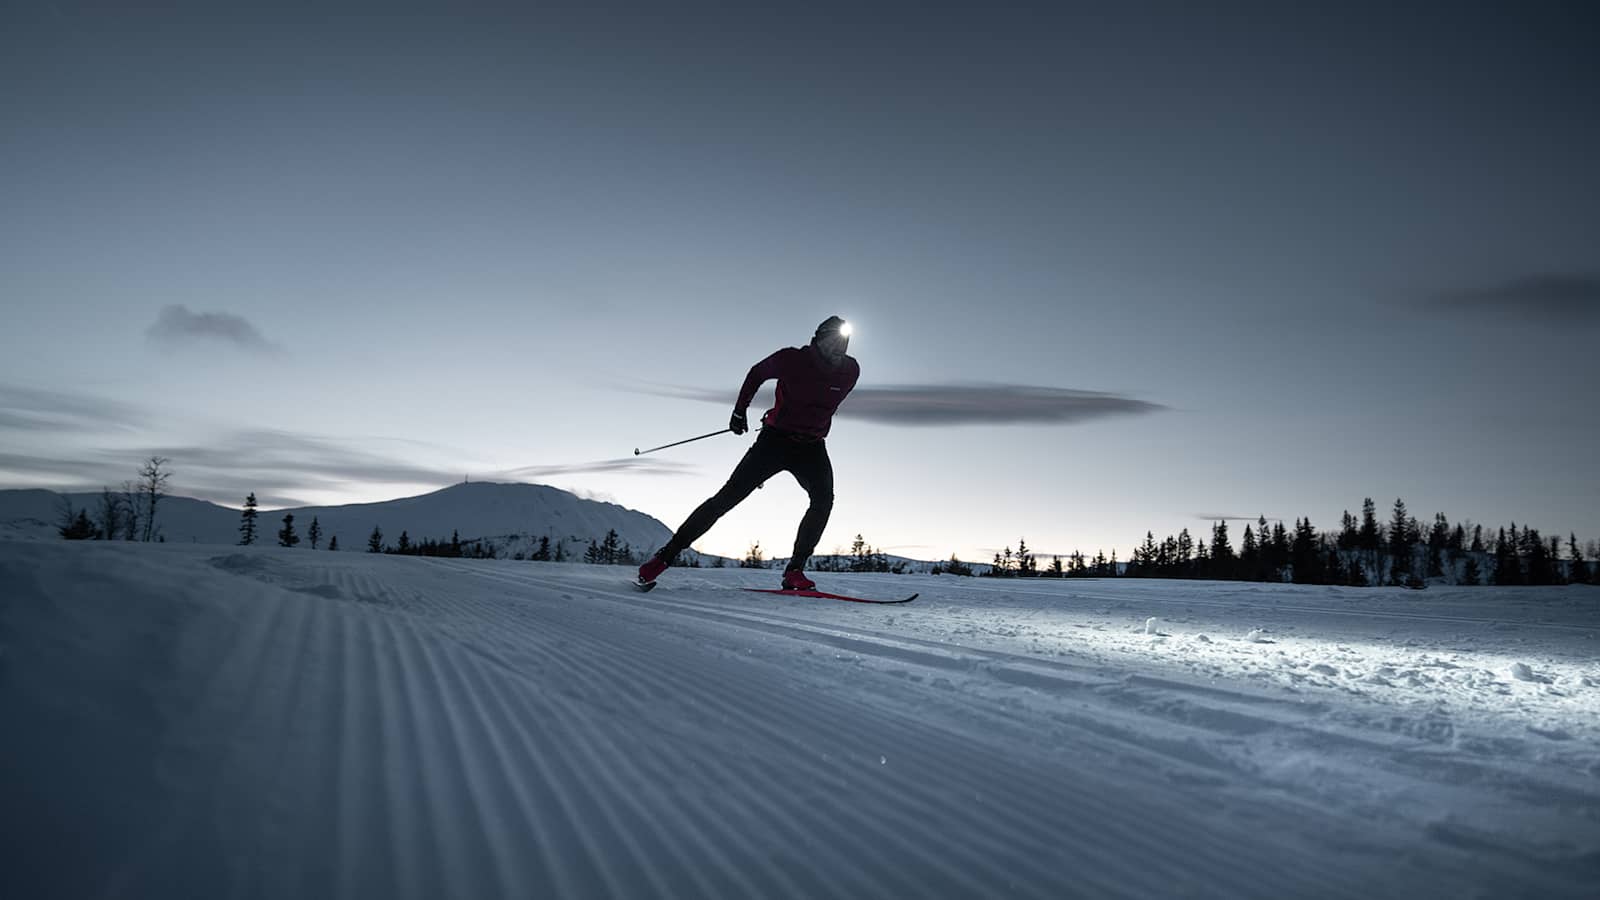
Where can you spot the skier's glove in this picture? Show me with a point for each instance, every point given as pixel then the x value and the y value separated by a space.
pixel 737 424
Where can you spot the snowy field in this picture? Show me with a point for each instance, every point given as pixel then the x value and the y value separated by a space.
pixel 191 721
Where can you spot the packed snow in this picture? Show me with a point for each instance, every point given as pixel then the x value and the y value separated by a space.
pixel 260 722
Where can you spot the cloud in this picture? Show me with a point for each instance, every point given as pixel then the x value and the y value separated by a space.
pixel 28 410
pixel 629 465
pixel 1553 299
pixel 276 465
pixel 177 325
pixel 914 405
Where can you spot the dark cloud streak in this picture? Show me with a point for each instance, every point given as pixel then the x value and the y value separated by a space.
pixel 1552 299
pixel 917 405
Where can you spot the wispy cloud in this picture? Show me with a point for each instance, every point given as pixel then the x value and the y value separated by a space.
pixel 1551 299
pixel 629 465
pixel 915 405
pixel 29 410
pixel 178 325
pixel 280 467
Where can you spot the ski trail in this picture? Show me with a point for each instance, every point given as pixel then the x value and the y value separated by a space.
pixel 1006 821
pixel 345 725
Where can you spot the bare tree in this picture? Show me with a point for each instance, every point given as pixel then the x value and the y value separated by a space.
pixel 130 506
pixel 152 488
pixel 112 506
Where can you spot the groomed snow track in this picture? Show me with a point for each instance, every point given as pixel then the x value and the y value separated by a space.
pixel 253 722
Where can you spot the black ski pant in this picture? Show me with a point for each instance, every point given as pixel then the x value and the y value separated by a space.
pixel 773 452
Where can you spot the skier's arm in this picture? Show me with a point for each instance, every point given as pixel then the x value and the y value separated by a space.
pixel 760 373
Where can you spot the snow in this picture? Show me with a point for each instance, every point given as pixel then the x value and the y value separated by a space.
pixel 185 720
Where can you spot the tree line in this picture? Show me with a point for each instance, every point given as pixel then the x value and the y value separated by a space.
pixel 1362 552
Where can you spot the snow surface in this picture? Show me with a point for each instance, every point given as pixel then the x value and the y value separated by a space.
pixel 256 722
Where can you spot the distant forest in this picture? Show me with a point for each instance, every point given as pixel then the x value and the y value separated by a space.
pixel 1364 552
pixel 1402 552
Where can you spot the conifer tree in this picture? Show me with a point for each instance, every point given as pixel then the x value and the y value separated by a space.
pixel 1304 558
pixel 455 543
pixel 1349 537
pixel 314 533
pixel 1470 574
pixel 1438 540
pixel 1055 566
pixel 1223 562
pixel 610 548
pixel 77 528
pixel 1399 544
pixel 543 553
pixel 375 541
pixel 1477 539
pixel 286 535
pixel 1507 560
pixel 333 544
pixel 247 521
pixel 754 558
pixel 1368 540
pixel 1249 555
pixel 1025 561
pixel 1144 558
pixel 404 546
pixel 1537 567
pixel 1577 571
pixel 1280 552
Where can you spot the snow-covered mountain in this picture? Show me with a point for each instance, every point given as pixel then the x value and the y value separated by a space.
pixel 511 517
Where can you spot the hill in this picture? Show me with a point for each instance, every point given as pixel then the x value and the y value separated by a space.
pixel 508 517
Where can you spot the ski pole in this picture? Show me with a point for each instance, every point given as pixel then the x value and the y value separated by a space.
pixel 637 451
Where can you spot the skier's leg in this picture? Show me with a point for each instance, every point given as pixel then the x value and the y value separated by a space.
pixel 762 461
pixel 814 471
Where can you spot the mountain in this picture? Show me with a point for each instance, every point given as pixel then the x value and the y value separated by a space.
pixel 509 517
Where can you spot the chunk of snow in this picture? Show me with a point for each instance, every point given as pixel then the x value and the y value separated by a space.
pixel 1522 672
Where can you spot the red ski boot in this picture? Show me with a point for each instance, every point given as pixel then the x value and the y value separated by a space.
pixel 651 570
pixel 796 580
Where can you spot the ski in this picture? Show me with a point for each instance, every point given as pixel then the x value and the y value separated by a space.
pixel 827 596
pixel 642 586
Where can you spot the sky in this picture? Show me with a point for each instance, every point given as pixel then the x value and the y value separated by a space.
pixel 1112 268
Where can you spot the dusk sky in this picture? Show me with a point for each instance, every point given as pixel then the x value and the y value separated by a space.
pixel 1111 268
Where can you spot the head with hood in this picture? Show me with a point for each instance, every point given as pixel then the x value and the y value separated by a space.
pixel 832 339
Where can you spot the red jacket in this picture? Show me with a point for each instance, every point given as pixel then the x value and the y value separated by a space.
pixel 809 390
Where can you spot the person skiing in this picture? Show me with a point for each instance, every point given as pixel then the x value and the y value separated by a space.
pixel 812 381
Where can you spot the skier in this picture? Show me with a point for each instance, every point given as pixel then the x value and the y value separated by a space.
pixel 812 381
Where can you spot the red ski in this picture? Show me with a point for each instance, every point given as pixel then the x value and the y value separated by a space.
pixel 826 596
